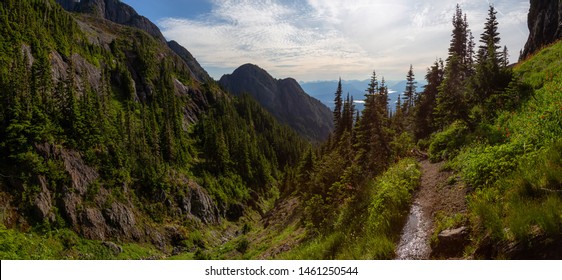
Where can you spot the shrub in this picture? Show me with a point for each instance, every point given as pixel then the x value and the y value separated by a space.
pixel 446 144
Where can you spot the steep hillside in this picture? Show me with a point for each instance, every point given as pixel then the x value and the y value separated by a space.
pixel 111 147
pixel 121 13
pixel 513 164
pixel 285 99
pixel 115 11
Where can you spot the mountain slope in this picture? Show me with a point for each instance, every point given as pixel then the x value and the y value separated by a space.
pixel 285 99
pixel 112 148
pixel 121 13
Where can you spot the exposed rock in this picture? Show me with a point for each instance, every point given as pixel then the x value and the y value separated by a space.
pixel 116 249
pixel 202 206
pixel 83 71
pixel 43 202
pixel 115 11
pixel 121 219
pixel 192 63
pixel 93 224
pixel 284 99
pixel 175 235
pixel 545 25
pixel 81 174
pixel 451 243
pixel 70 202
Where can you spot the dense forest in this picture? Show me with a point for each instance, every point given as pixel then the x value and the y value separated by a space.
pixel 112 148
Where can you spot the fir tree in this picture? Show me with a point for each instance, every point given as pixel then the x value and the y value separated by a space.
pixel 410 92
pixel 338 101
pixel 452 103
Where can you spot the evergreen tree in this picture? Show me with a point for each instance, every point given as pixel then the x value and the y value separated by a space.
pixel 452 103
pixel 492 75
pixel 424 112
pixel 410 92
pixel 338 101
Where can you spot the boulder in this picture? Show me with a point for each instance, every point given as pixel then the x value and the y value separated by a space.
pixel 450 243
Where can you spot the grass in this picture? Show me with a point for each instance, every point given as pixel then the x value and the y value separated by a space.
pixel 518 179
pixel 65 244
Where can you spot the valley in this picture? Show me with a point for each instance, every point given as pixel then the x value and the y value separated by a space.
pixel 117 144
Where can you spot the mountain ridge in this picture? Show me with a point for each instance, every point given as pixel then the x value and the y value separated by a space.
pixel 284 98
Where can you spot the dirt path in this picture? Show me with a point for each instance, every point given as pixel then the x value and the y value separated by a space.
pixel 437 193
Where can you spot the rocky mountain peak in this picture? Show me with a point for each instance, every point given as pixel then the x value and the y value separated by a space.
pixel 284 99
pixel 115 11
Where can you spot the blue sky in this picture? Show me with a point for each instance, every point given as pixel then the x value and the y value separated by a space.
pixel 326 39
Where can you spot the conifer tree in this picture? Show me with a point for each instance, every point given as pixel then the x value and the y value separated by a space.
pixel 410 92
pixel 492 75
pixel 424 116
pixel 452 103
pixel 338 101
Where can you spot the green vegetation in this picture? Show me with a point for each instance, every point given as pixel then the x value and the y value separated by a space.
pixel 113 131
pixel 66 244
pixel 369 225
pixel 512 158
pixel 114 109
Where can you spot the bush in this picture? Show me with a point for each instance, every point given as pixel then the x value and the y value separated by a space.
pixel 446 144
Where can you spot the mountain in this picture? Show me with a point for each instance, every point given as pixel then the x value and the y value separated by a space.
pixel 545 25
pixel 284 98
pixel 121 13
pixel 115 11
pixel 110 138
pixel 192 63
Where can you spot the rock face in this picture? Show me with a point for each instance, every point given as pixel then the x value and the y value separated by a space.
pixel 115 11
pixel 545 25
pixel 194 66
pixel 284 99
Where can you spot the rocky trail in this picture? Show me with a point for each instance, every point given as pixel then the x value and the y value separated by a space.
pixel 439 192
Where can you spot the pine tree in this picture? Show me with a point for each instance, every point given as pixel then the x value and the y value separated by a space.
pixel 424 112
pixel 492 75
pixel 452 103
pixel 410 92
pixel 490 38
pixel 338 101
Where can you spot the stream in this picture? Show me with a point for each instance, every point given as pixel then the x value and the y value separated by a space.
pixel 414 240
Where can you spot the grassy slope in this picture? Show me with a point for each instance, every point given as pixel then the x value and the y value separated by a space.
pixel 518 178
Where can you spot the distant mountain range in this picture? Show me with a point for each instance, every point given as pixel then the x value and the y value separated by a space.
pixel 325 90
pixel 284 99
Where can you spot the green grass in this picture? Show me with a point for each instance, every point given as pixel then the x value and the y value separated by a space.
pixel 65 244
pixel 518 178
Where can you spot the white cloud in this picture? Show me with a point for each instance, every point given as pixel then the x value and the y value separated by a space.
pixel 325 39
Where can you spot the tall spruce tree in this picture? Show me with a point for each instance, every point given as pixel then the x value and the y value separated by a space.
pixel 338 102
pixel 410 92
pixel 492 75
pixel 451 100
pixel 424 116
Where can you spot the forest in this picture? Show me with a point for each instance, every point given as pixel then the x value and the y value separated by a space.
pixel 112 149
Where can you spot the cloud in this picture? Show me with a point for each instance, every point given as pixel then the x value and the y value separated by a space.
pixel 326 39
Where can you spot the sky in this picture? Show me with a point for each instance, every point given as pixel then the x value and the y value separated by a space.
pixel 313 40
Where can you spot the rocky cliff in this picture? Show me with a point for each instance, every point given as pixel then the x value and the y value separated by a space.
pixel 115 11
pixel 121 13
pixel 194 66
pixel 284 99
pixel 545 25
